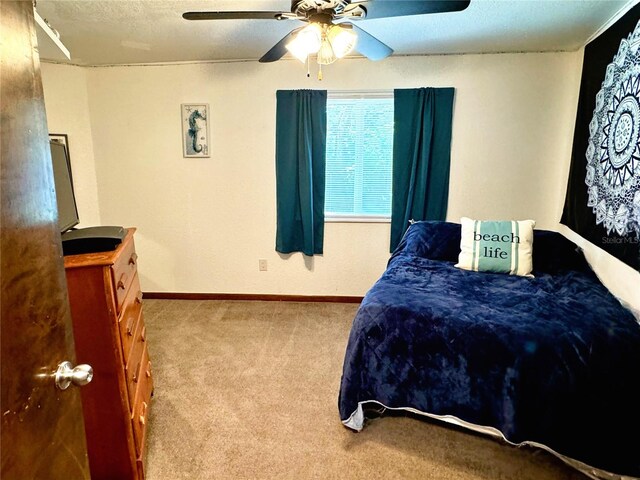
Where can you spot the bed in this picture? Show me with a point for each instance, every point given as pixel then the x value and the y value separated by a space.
pixel 551 361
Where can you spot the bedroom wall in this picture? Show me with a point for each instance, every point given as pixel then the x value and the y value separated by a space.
pixel 204 223
pixel 67 105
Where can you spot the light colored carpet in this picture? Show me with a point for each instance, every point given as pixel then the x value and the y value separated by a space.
pixel 248 390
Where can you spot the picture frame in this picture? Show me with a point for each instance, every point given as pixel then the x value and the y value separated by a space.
pixel 61 138
pixel 195 130
pixel 64 140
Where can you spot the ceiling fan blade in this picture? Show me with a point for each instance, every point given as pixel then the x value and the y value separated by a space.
pixel 401 8
pixel 279 49
pixel 234 15
pixel 370 46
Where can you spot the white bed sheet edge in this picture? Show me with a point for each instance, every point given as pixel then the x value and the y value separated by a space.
pixel 356 422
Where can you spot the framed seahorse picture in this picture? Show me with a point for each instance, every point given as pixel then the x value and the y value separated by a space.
pixel 195 129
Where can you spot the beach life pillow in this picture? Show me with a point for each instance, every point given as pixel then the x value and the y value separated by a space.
pixel 496 246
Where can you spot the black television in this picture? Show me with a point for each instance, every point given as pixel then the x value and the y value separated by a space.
pixel 82 240
pixel 65 196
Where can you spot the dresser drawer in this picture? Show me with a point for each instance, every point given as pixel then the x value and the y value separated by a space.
pixel 123 271
pixel 141 403
pixel 136 367
pixel 140 459
pixel 130 317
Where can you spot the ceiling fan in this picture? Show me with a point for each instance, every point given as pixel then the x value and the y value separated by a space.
pixel 329 34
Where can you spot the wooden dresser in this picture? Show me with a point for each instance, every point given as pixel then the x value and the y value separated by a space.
pixel 109 330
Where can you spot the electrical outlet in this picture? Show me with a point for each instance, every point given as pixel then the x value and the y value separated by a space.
pixel 262 265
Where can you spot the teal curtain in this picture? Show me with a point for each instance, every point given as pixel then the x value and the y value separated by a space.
pixel 301 131
pixel 421 157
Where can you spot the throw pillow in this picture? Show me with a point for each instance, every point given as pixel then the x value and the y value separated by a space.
pixel 496 246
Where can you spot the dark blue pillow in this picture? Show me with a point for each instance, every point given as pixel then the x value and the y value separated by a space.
pixel 553 253
pixel 438 240
pixel 433 240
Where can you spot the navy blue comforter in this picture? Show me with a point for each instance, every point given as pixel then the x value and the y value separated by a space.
pixel 553 359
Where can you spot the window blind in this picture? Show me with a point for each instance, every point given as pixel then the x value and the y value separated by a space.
pixel 359 154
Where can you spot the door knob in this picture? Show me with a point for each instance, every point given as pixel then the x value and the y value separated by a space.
pixel 67 374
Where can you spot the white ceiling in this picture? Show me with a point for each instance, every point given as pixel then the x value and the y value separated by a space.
pixel 102 32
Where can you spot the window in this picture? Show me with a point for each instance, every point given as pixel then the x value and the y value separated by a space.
pixel 359 153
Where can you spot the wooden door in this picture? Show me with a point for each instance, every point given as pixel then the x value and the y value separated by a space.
pixel 42 431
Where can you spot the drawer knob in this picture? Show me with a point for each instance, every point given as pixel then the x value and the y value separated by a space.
pixel 135 374
pixel 144 413
pixel 139 297
pixel 133 258
pixel 149 370
pixel 121 282
pixel 130 321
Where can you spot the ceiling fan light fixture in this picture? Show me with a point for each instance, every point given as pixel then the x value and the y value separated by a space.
pixel 298 50
pixel 326 55
pixel 342 40
pixel 307 42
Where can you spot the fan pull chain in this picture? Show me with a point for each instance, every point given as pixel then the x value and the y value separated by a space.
pixel 308 62
pixel 320 71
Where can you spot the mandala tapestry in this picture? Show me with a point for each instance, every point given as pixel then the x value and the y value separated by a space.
pixel 603 194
